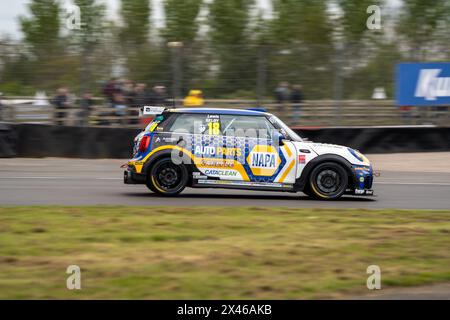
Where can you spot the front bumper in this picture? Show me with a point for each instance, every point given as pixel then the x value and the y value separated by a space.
pixel 360 192
pixel 362 181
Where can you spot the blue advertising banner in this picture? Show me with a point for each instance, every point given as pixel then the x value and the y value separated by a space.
pixel 423 84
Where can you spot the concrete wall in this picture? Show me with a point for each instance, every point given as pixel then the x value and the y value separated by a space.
pixel 31 140
pixel 384 140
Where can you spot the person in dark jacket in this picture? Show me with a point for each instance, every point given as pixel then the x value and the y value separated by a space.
pixel 110 89
pixel 296 100
pixel 141 95
pixel 158 97
pixel 282 92
pixel 1 106
pixel 128 91
pixel 86 104
pixel 296 94
pixel 61 103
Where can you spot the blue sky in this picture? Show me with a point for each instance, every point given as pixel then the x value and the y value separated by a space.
pixel 11 9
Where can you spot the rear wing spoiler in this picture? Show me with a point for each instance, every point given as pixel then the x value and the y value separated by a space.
pixel 151 110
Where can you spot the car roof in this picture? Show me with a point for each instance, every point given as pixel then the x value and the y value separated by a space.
pixel 241 112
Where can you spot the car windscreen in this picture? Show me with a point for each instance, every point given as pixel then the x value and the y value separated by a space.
pixel 246 126
pixel 285 129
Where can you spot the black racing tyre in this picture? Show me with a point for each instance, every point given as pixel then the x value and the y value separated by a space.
pixel 307 190
pixel 151 187
pixel 166 178
pixel 328 181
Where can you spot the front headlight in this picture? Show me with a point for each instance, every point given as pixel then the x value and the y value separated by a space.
pixel 358 155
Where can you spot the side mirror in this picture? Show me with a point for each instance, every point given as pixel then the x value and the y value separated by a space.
pixel 278 137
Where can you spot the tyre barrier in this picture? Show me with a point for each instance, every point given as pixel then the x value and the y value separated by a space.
pixel 36 140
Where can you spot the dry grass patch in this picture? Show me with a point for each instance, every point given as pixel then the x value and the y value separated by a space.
pixel 217 253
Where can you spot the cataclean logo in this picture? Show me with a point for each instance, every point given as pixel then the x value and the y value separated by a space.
pixel 263 160
pixel 221 173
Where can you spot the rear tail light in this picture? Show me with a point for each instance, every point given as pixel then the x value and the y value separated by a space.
pixel 143 145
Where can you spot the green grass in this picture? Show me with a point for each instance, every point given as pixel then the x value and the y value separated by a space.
pixel 217 253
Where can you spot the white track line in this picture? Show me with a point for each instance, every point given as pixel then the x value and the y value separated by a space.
pixel 113 178
pixel 414 183
pixel 61 178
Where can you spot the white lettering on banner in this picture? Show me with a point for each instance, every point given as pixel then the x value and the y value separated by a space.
pixel 430 86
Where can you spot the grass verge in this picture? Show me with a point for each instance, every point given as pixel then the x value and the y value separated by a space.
pixel 217 253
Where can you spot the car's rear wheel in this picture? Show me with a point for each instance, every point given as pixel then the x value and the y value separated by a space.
pixel 167 178
pixel 328 181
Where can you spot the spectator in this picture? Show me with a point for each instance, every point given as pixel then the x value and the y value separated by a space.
pixel 120 108
pixel 110 89
pixel 141 96
pixel 128 91
pixel 86 104
pixel 297 94
pixel 61 103
pixel 296 100
pixel 1 106
pixel 194 99
pixel 158 97
pixel 282 92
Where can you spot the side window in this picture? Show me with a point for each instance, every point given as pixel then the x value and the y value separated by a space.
pixel 190 123
pixel 157 122
pixel 208 124
pixel 246 126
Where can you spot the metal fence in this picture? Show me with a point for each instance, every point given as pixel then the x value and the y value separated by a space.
pixel 337 82
pixel 245 71
pixel 310 113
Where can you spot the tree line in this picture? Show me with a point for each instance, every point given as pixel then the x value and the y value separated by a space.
pixel 228 48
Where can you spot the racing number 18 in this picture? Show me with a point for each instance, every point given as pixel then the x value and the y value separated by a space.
pixel 214 128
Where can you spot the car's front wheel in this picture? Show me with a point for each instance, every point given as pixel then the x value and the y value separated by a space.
pixel 328 181
pixel 167 178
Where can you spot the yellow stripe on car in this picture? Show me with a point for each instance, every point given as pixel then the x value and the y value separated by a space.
pixel 196 160
pixel 289 168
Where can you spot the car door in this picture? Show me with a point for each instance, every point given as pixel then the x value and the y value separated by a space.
pixel 213 157
pixel 257 151
pixel 206 144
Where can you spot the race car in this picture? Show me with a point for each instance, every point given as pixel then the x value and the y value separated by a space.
pixel 240 149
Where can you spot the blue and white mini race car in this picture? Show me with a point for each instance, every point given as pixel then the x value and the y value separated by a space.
pixel 240 149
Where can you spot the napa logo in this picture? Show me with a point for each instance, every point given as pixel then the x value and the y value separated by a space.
pixel 263 160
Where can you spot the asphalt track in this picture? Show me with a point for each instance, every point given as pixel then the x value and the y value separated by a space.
pixel 99 182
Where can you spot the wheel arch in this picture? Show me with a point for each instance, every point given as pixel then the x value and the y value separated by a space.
pixel 302 181
pixel 167 153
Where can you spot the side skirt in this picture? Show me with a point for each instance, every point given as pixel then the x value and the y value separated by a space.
pixel 228 184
